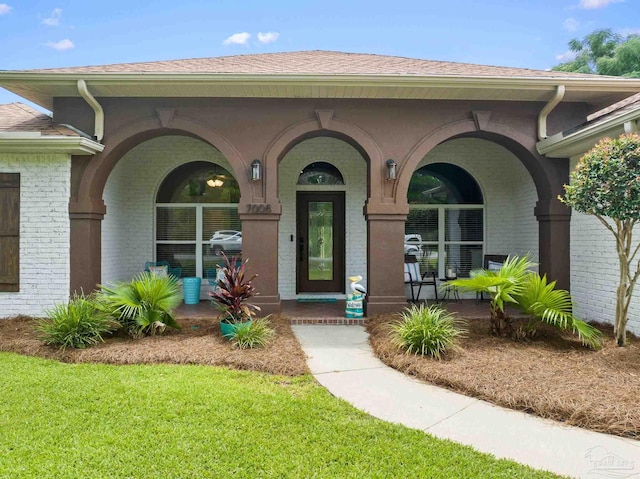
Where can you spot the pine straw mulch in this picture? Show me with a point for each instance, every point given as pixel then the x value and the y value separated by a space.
pixel 552 376
pixel 198 342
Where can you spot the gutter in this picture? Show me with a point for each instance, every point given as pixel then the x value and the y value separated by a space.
pixel 34 142
pixel 561 145
pixel 93 103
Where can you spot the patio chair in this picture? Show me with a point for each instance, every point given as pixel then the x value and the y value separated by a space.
pixel 413 277
pixel 213 275
pixel 175 272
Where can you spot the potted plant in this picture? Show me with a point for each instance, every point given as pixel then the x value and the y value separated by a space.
pixel 231 296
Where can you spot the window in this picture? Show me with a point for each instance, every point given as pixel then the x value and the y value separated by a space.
pixel 445 225
pixel 9 232
pixel 320 173
pixel 197 218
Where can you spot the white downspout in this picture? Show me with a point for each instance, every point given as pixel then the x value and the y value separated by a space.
pixel 98 131
pixel 631 126
pixel 544 113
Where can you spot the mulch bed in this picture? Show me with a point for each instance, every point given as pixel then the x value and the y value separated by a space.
pixel 552 376
pixel 198 342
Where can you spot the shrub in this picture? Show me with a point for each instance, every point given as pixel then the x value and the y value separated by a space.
pixel 144 306
pixel 427 331
pixel 253 334
pixel 233 292
pixel 76 324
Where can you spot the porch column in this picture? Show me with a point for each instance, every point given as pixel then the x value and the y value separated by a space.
pixel 86 243
pixel 260 247
pixel 385 253
pixel 554 220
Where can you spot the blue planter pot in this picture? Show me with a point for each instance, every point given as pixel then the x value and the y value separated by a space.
pixel 229 328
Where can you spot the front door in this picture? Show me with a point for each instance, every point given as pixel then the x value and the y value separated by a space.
pixel 320 247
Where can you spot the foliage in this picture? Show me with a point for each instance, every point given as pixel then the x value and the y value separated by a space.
pixel 97 421
pixel 76 324
pixel 606 184
pixel 254 334
pixel 233 292
pixel 515 283
pixel 427 331
pixel 143 305
pixel 606 53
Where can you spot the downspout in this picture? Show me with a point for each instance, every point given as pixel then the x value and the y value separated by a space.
pixel 99 112
pixel 542 117
pixel 631 126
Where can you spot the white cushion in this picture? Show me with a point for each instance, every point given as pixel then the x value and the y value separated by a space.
pixel 160 271
pixel 414 269
pixel 494 266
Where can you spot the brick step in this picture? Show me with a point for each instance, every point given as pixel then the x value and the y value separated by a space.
pixel 330 320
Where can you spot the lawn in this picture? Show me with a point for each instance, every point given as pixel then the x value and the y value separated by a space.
pixel 89 420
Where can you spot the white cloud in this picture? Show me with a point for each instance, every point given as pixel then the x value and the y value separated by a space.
pixel 54 19
pixel 625 32
pixel 571 24
pixel 268 37
pixel 566 56
pixel 593 4
pixel 237 39
pixel 4 8
pixel 62 45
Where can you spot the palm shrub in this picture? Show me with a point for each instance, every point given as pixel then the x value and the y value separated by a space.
pixel 539 299
pixel 252 334
pixel 233 292
pixel 144 305
pixel 427 331
pixel 76 324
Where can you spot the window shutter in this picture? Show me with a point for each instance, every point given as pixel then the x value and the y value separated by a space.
pixel 9 232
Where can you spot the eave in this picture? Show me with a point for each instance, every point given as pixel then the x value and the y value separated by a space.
pixel 563 145
pixel 34 142
pixel 41 88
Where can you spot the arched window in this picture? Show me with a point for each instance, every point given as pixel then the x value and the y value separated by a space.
pixel 320 173
pixel 197 218
pixel 445 225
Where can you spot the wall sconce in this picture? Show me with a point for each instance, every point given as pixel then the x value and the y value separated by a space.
pixel 256 170
pixel 391 170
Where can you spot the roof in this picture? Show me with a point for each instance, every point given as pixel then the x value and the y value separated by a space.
pixel 316 74
pixel 18 117
pixel 315 62
pixel 626 105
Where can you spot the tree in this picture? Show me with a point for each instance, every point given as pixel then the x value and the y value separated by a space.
pixel 605 53
pixel 606 184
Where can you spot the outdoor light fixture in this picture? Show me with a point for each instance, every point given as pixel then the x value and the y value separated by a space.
pixel 391 170
pixel 215 183
pixel 256 170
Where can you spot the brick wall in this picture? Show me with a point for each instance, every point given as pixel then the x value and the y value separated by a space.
pixel 130 194
pixel 594 271
pixel 354 171
pixel 44 232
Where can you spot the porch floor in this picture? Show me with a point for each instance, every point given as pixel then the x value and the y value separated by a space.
pixel 334 313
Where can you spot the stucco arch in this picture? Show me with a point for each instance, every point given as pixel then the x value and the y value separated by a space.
pixel 94 177
pixel 545 176
pixel 343 130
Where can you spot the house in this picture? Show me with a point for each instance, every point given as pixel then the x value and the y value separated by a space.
pixel 315 165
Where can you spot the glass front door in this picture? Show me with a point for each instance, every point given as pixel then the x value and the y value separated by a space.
pixel 321 232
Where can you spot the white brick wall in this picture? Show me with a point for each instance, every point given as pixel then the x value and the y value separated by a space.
pixel 45 185
pixel 508 189
pixel 594 271
pixel 354 171
pixel 130 194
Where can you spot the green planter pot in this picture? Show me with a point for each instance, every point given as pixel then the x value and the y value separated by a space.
pixel 229 328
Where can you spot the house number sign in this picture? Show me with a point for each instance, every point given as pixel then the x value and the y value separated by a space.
pixel 258 208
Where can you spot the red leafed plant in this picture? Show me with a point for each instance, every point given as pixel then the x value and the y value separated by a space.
pixel 233 292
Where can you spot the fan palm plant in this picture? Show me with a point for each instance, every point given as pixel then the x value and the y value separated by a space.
pixel 144 305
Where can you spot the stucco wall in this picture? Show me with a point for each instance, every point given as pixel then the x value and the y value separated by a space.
pixel 509 193
pixel 130 194
pixel 594 271
pixel 44 232
pixel 354 171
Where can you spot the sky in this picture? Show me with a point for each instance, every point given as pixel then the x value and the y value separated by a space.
pixel 515 33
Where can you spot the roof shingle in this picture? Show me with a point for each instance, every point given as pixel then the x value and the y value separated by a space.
pixel 18 117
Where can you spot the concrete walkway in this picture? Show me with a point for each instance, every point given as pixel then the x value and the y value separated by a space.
pixel 341 360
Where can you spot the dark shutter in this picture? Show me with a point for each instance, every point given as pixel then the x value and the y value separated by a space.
pixel 9 232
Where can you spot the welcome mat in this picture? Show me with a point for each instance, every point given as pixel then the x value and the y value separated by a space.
pixel 316 300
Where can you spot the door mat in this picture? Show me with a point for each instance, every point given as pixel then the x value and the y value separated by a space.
pixel 316 300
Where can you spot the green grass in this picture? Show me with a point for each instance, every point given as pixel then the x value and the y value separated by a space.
pixel 96 421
